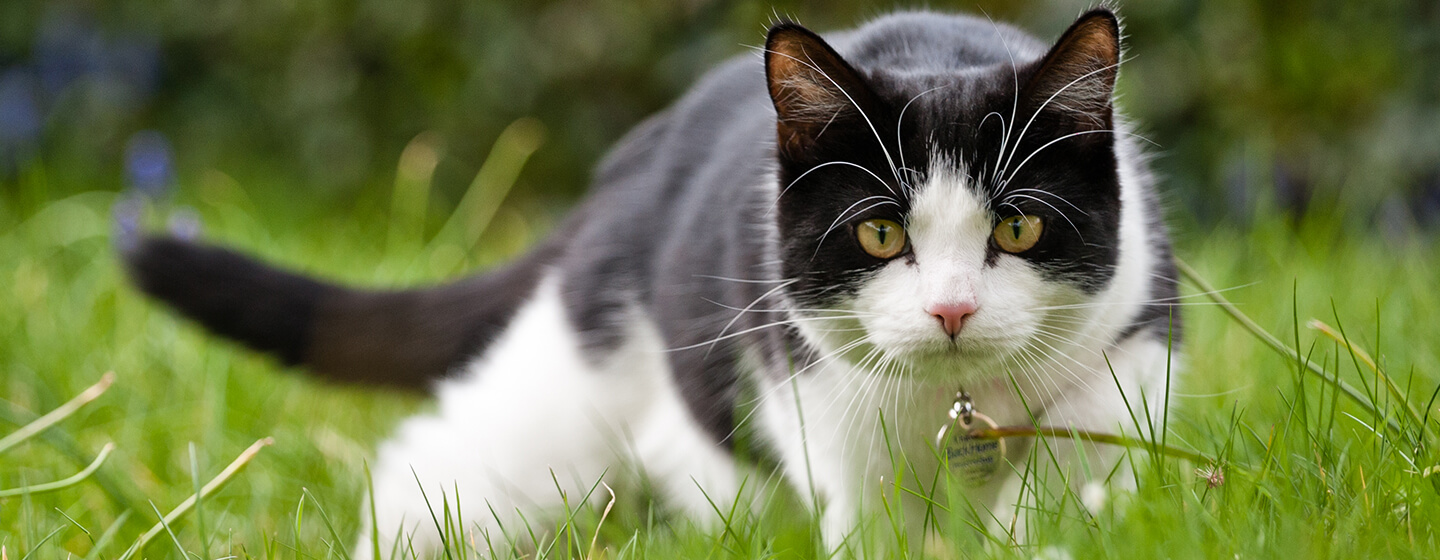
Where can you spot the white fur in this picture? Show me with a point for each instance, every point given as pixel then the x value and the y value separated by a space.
pixel 533 405
pixel 533 411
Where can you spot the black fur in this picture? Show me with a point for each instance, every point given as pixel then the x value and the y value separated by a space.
pixel 267 309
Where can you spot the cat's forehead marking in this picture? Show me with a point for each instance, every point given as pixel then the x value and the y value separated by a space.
pixel 948 212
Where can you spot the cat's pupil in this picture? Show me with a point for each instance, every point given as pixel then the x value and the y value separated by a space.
pixel 1015 227
pixel 880 234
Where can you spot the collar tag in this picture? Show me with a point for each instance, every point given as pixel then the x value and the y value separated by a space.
pixel 973 460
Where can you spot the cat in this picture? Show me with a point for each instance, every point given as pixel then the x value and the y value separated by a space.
pixel 821 245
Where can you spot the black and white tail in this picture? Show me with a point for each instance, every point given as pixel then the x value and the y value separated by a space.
pixel 406 338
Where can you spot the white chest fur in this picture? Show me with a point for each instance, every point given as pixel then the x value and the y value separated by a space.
pixel 843 441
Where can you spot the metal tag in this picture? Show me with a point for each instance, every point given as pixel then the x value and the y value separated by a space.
pixel 973 460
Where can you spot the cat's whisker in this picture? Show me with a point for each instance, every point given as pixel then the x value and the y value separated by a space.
pixel 1037 359
pixel 1003 134
pixel 860 371
pixel 1065 336
pixel 1027 362
pixel 900 123
pixel 1057 211
pixel 888 384
pixel 836 313
pixel 759 400
pixel 742 312
pixel 1061 363
pixel 1169 302
pixel 1042 106
pixel 1014 98
pixel 743 280
pixel 790 321
pixel 828 313
pixel 850 374
pixel 1012 205
pixel 1056 330
pixel 849 414
pixel 886 151
pixel 1174 300
pixel 1023 359
pixel 1039 191
pixel 1053 391
pixel 817 167
pixel 913 176
pixel 876 370
pixel 841 217
pixel 1053 142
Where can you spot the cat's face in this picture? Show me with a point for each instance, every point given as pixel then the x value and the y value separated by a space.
pixel 947 219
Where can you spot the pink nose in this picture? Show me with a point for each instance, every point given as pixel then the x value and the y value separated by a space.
pixel 952 315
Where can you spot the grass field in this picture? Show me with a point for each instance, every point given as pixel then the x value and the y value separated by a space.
pixel 1305 475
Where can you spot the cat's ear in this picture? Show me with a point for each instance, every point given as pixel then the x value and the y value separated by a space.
pixel 811 86
pixel 1077 77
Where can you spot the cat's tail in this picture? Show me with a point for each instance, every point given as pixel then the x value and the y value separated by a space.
pixel 406 338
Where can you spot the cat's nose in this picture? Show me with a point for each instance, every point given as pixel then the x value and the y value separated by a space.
pixel 952 315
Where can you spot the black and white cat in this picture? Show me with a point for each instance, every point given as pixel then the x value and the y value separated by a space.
pixel 838 232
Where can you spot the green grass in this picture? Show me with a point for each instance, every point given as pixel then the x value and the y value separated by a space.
pixel 1305 477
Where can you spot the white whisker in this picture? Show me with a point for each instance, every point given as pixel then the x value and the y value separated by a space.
pixel 1042 108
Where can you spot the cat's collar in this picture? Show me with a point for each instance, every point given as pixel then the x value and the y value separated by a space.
pixel 973 460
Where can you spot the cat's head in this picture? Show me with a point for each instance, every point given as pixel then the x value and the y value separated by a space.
pixel 940 214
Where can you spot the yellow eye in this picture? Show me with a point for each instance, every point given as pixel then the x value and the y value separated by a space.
pixel 1018 234
pixel 882 239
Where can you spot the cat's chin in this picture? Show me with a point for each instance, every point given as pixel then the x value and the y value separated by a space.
pixel 960 361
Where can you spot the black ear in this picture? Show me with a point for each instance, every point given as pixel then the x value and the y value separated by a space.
pixel 811 86
pixel 1077 77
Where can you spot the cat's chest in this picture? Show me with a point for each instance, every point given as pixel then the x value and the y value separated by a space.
pixel 865 419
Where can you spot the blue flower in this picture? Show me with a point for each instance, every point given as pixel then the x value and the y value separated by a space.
pixel 20 119
pixel 148 162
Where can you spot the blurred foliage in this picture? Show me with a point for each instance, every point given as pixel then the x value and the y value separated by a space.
pixel 1329 103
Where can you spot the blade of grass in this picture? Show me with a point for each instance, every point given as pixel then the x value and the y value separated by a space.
pixel 42 542
pixel 409 200
pixel 595 539
pixel 65 482
pixel 178 547
pixel 77 525
pixel 55 416
pixel 108 535
pixel 209 488
pixel 508 155
pixel 299 524
pixel 1280 347
pixel 1094 437
pixel 199 503
pixel 440 529
pixel 1364 357
pixel 374 517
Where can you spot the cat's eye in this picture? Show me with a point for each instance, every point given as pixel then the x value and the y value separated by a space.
pixel 1018 234
pixel 882 239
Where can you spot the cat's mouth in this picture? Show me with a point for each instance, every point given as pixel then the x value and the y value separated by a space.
pixel 960 357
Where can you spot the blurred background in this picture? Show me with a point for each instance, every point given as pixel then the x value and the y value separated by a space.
pixel 1303 106
pixel 399 142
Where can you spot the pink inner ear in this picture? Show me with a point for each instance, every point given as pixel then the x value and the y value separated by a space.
pixel 810 85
